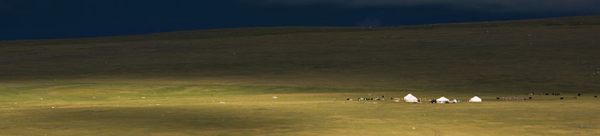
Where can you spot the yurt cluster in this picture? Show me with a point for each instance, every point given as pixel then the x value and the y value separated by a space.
pixel 412 99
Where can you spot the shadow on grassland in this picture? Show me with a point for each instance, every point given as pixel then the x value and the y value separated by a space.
pixel 205 120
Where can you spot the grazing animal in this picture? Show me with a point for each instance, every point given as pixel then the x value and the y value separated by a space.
pixel 579 94
pixel 562 98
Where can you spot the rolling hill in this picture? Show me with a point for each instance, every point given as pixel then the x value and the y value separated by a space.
pixel 538 54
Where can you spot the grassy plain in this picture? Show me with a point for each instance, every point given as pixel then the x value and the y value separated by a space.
pixel 174 83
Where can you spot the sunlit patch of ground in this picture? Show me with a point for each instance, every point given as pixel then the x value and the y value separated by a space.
pixel 195 112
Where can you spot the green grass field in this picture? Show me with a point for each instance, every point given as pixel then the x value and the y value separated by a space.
pixel 175 83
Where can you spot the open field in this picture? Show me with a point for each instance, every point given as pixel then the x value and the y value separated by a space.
pixel 165 109
pixel 174 83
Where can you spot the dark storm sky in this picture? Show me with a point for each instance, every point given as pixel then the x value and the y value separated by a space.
pixel 48 19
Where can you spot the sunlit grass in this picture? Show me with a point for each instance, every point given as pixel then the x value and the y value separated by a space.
pixel 138 109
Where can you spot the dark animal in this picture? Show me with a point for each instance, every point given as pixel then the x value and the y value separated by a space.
pixel 562 98
pixel 579 94
pixel 595 96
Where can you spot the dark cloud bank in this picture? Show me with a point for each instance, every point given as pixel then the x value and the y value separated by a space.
pixel 492 5
pixel 49 19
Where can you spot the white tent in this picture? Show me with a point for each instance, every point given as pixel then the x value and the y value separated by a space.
pixel 410 98
pixel 475 99
pixel 442 100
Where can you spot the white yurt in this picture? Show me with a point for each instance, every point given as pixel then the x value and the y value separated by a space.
pixel 410 98
pixel 475 99
pixel 442 100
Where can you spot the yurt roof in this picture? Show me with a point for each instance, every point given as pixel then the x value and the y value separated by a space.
pixel 410 96
pixel 475 97
pixel 443 98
